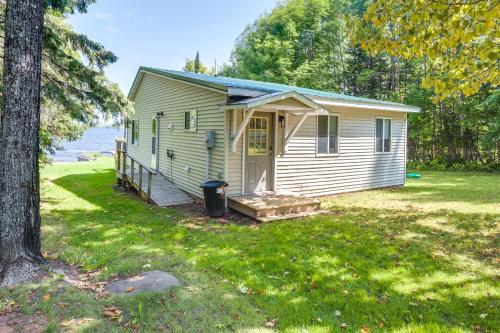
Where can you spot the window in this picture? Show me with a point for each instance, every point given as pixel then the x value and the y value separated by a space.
pixel 328 135
pixel 135 132
pixel 257 135
pixel 383 135
pixel 190 120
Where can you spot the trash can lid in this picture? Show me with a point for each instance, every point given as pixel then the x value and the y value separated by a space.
pixel 213 183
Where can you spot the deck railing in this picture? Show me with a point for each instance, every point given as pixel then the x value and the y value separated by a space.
pixel 126 180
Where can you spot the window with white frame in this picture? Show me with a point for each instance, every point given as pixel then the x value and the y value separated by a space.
pixel 383 135
pixel 328 134
pixel 135 131
pixel 190 120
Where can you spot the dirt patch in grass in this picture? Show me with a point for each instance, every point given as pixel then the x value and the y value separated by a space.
pixel 195 214
pixel 13 321
pixel 16 322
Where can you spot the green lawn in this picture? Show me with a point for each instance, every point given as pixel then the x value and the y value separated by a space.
pixel 423 258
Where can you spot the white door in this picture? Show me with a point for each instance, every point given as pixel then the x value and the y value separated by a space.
pixel 259 154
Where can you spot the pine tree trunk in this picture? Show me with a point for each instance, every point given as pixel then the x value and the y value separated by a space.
pixel 19 142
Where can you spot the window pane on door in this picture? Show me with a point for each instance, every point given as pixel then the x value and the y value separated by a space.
pixel 378 135
pixel 323 134
pixel 257 136
pixel 153 136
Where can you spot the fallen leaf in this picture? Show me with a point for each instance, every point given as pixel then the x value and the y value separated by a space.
pixel 344 325
pixel 112 313
pixel 46 297
pixel 271 323
pixel 365 329
pixel 130 289
pixel 483 315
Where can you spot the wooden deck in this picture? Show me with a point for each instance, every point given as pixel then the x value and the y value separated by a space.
pixel 272 207
pixel 150 186
pixel 163 192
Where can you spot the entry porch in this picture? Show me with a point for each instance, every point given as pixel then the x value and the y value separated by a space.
pixel 260 129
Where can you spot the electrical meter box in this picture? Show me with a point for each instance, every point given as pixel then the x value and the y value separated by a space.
pixel 210 139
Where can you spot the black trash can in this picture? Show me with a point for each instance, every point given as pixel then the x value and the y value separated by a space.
pixel 214 192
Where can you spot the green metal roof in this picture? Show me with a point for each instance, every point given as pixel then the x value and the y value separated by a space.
pixel 223 83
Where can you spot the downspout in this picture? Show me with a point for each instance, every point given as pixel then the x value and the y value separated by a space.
pixel 207 165
pixel 158 121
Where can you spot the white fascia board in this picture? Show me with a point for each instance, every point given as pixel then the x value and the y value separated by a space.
pixel 370 106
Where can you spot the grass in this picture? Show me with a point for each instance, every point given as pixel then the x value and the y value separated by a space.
pixel 423 258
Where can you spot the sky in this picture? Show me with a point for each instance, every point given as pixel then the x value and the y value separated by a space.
pixel 163 33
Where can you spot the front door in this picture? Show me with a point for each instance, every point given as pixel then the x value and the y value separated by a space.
pixel 154 144
pixel 259 153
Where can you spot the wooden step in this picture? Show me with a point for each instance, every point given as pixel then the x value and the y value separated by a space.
pixel 291 216
pixel 272 206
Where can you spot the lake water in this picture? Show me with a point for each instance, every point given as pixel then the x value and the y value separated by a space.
pixel 98 139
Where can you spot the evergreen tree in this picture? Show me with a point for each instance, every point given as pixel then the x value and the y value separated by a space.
pixel 197 62
pixel 43 70
pixel 196 66
pixel 73 85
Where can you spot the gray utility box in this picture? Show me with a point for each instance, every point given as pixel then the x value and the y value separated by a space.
pixel 210 139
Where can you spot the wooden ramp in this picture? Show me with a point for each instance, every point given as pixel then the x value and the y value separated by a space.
pixel 150 186
pixel 163 192
pixel 272 207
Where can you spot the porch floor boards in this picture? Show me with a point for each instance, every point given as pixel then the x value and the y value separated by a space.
pixel 271 207
pixel 163 192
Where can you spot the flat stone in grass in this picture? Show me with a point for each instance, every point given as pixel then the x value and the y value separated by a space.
pixel 147 281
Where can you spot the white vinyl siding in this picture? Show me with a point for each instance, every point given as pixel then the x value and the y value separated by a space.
pixel 356 167
pixel 187 168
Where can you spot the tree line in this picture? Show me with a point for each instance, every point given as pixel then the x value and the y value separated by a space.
pixel 335 45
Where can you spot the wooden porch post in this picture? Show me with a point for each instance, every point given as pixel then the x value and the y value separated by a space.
pixel 132 172
pixel 140 180
pixel 150 176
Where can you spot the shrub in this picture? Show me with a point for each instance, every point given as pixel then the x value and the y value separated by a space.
pixel 441 165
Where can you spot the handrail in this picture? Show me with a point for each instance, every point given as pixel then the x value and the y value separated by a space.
pixel 121 167
pixel 138 163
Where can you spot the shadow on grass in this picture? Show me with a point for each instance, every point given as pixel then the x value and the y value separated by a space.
pixel 387 269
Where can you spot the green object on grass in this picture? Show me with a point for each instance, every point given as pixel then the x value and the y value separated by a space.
pixel 413 175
